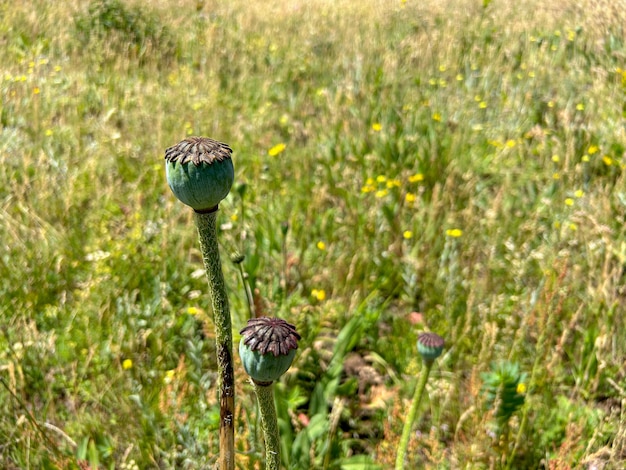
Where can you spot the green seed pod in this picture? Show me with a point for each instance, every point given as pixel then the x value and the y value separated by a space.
pixel 267 348
pixel 200 172
pixel 430 346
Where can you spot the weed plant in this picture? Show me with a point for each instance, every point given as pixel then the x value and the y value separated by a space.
pixel 444 165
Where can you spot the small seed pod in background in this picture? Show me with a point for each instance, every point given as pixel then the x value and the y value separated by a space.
pixel 200 172
pixel 241 189
pixel 430 346
pixel 236 257
pixel 267 348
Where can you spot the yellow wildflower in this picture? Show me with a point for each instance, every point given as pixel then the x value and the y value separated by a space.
pixel 321 245
pixel 454 232
pixel 127 364
pixel 319 294
pixel 407 234
pixel 276 149
pixel 377 127
pixel 417 177
pixel 169 375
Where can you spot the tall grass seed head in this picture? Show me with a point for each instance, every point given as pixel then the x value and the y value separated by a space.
pixel 267 348
pixel 200 172
pixel 430 346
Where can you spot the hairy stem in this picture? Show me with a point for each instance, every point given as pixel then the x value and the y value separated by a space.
pixel 408 424
pixel 207 233
pixel 269 423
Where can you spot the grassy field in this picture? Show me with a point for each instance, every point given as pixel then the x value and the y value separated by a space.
pixel 450 166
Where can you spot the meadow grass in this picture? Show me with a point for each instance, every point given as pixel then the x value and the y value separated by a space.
pixel 401 166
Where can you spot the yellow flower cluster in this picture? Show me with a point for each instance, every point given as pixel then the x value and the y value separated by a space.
pixel 381 186
pixel 594 149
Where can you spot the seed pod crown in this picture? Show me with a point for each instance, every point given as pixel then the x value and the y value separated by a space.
pixel 267 348
pixel 200 172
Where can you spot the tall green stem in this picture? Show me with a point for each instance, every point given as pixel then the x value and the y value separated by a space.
pixel 269 422
pixel 207 233
pixel 408 424
pixel 248 291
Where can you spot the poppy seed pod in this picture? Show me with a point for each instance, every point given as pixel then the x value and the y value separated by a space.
pixel 200 172
pixel 267 348
pixel 430 346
